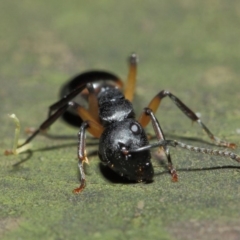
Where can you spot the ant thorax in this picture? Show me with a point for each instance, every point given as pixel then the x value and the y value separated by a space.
pixel 114 107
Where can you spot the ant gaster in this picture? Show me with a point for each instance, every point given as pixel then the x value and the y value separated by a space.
pixel 123 143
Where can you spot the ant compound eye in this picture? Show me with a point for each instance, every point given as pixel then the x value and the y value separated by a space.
pixel 135 128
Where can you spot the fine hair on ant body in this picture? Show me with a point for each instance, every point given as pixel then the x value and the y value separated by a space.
pixel 123 144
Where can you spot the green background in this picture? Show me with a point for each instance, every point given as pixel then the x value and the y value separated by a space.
pixel 191 48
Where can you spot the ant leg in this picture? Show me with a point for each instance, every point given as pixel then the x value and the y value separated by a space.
pixel 131 81
pixel 96 128
pixel 93 102
pixel 82 156
pixel 160 137
pixel 63 102
pixel 47 123
pixel 154 104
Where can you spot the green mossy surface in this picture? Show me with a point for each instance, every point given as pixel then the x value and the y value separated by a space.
pixel 191 48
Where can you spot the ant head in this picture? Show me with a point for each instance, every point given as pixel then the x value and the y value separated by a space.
pixel 115 142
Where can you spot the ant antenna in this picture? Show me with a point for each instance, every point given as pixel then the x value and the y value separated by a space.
pixel 174 143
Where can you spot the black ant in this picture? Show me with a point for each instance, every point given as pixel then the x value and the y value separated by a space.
pixel 123 144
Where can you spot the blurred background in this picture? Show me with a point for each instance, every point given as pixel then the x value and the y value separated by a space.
pixel 191 48
pixel 183 46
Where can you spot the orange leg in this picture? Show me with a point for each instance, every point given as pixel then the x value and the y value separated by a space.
pixel 154 104
pixel 94 126
pixel 90 115
pixel 131 81
pixel 93 103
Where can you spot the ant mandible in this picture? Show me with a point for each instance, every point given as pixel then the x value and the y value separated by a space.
pixel 123 143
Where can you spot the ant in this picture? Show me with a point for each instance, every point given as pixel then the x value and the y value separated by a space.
pixel 123 144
